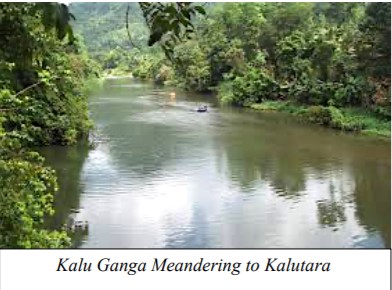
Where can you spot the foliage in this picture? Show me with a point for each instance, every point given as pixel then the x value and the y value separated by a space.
pixel 191 67
pixel 328 63
pixel 320 55
pixel 283 106
pixel 27 195
pixel 169 23
pixel 147 23
pixel 152 66
pixel 348 119
pixel 225 92
pixel 41 103
pixel 255 86
pixel 311 54
pixel 57 16
pixel 375 41
pixel 102 27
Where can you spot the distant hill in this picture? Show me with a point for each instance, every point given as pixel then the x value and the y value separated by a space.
pixel 103 26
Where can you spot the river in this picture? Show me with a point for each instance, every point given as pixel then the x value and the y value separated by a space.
pixel 159 174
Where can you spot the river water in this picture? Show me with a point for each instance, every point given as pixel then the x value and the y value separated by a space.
pixel 159 174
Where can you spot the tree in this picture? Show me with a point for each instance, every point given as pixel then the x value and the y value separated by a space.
pixel 41 103
pixel 169 23
pixel 375 52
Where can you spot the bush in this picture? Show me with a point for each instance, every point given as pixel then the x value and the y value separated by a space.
pixel 225 92
pixel 164 74
pixel 41 103
pixel 347 120
pixel 191 67
pixel 27 194
pixel 317 114
pixel 254 86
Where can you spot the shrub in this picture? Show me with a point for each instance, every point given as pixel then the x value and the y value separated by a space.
pixel 225 92
pixel 255 86
pixel 317 114
pixel 27 195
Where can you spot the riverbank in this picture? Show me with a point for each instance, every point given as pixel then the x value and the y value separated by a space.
pixel 351 119
pixel 146 191
pixel 115 73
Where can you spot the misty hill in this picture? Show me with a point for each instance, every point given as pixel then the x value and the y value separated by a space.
pixel 103 26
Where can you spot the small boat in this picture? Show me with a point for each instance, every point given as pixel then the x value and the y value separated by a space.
pixel 201 109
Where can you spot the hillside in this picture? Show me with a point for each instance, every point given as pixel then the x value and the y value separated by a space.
pixel 103 26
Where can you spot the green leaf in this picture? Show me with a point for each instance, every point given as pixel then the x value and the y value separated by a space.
pixel 200 10
pixel 155 37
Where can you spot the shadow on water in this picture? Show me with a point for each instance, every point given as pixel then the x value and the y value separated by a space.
pixel 372 200
pixel 68 163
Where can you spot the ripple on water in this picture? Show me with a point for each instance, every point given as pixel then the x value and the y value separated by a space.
pixel 162 175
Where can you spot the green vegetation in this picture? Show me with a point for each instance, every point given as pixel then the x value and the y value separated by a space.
pixel 102 27
pixel 331 59
pixel 42 69
pixel 352 119
pixel 328 63
pixel 120 35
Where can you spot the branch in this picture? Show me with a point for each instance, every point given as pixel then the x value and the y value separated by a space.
pixel 21 92
pixel 28 88
pixel 127 26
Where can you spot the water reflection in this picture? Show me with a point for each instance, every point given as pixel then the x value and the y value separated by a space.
pixel 371 200
pixel 330 213
pixel 162 175
pixel 68 163
pixel 303 164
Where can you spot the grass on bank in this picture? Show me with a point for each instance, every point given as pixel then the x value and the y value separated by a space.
pixel 347 119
